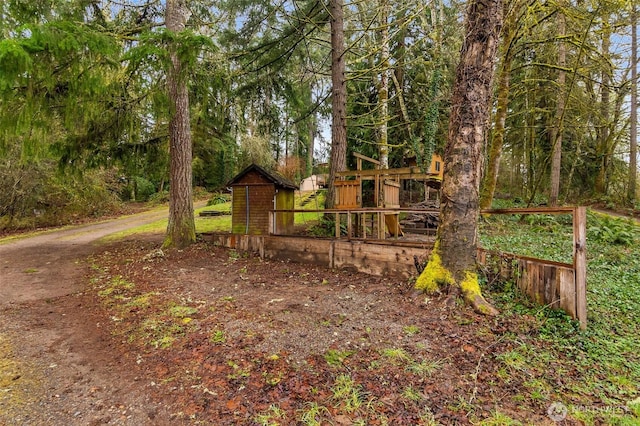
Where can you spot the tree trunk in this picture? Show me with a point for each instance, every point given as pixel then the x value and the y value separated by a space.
pixel 338 159
pixel 497 142
pixel 633 137
pixel 452 262
pixel 602 131
pixel 181 229
pixel 383 89
pixel 556 127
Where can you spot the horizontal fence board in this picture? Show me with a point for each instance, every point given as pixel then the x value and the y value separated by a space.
pixel 531 210
pixel 302 250
pixel 376 259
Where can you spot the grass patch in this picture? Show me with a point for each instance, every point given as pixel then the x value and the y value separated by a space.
pixel 271 417
pixel 499 419
pixel 544 236
pixel 412 394
pixel 411 330
pixel 396 356
pixel 425 367
pixel 313 414
pixel 347 393
pixel 182 312
pixel 336 358
pixel 116 288
pixel 217 337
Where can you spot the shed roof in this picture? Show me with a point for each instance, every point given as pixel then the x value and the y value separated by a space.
pixel 279 180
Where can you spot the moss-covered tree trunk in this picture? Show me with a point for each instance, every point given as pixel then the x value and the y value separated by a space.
pixel 556 127
pixel 338 159
pixel 509 34
pixel 633 136
pixel 181 229
pixel 452 263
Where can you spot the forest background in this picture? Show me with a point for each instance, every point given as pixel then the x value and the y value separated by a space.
pixel 84 116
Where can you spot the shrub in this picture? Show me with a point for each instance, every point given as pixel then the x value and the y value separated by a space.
pixel 218 198
pixel 144 189
pixel 611 230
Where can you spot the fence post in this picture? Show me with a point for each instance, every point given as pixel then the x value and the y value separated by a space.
pixel 580 263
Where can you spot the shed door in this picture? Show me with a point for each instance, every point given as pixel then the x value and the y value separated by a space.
pixel 251 206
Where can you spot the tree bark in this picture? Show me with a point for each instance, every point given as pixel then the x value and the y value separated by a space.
pixel 338 159
pixel 452 262
pixel 556 127
pixel 633 137
pixel 497 142
pixel 181 229
pixel 383 89
pixel 313 131
pixel 602 131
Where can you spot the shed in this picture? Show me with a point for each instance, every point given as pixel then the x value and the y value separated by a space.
pixel 255 192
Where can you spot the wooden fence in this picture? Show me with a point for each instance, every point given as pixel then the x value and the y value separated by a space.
pixel 555 284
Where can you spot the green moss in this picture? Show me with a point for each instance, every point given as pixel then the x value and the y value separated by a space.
pixel 470 286
pixel 434 275
pixel 180 235
pixel 472 294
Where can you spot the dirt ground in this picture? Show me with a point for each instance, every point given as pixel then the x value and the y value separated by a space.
pixel 124 333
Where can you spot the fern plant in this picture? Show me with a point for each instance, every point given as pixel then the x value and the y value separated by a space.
pixel 611 230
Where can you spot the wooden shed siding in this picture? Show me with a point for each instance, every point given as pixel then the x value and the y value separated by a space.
pixel 253 177
pixel 263 192
pixel 239 210
pixel 260 203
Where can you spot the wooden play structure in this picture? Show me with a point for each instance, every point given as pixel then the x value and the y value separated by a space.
pixel 263 218
pixel 386 187
pixel 386 182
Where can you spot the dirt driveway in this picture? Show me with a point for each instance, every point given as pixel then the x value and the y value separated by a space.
pixel 55 363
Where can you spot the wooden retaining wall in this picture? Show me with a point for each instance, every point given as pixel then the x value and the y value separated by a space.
pixel 545 282
pixel 392 260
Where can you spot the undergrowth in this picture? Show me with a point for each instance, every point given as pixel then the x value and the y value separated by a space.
pixel 594 372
